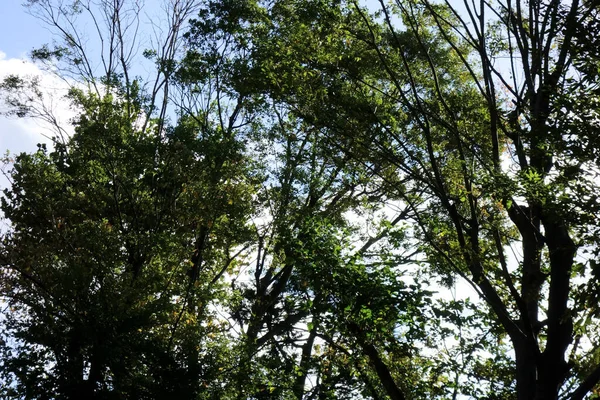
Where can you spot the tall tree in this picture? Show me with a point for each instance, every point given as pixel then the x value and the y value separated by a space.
pixel 121 235
pixel 114 261
pixel 488 156
pixel 301 56
pixel 530 160
pixel 270 215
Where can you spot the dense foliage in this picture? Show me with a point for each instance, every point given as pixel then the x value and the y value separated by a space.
pixel 309 199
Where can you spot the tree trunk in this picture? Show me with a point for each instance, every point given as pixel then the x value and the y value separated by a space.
pixel 382 370
pixel 553 368
pixel 304 364
pixel 526 369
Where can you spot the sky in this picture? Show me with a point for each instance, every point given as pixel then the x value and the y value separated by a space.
pixel 19 31
pixel 19 34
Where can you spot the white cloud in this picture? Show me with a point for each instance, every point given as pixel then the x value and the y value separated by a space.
pixel 18 135
pixel 23 134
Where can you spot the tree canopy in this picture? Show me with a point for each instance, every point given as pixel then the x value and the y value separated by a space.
pixel 308 199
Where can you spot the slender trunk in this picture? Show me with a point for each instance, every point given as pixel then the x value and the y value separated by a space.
pixel 527 357
pixel 382 370
pixel 304 364
pixel 74 384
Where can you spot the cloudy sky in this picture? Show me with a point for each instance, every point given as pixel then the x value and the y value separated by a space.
pixel 19 34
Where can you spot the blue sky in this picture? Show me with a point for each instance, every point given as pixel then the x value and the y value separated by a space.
pixel 19 31
pixel 19 34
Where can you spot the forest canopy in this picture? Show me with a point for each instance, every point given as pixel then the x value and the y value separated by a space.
pixel 307 199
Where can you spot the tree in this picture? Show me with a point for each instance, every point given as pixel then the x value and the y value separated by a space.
pixel 546 198
pixel 117 247
pixel 301 68
pixel 121 235
pixel 489 158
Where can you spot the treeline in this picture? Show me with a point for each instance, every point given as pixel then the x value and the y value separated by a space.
pixel 285 207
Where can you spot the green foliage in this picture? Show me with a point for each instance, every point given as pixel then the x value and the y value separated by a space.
pixel 299 226
pixel 99 264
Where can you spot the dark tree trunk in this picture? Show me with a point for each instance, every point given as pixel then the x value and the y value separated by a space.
pixel 304 364
pixel 382 370
pixel 553 367
pixel 526 367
